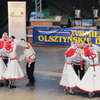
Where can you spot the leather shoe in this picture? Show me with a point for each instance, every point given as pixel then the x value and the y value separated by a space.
pixel 29 84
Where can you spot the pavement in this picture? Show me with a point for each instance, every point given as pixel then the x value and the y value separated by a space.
pixel 48 70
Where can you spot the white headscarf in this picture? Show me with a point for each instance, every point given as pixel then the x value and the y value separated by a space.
pixel 5 35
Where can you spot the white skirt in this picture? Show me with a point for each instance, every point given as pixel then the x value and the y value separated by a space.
pixel 13 71
pixel 91 80
pixel 2 68
pixel 64 81
pixel 69 77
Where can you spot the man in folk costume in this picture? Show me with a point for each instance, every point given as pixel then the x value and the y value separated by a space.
pixel 78 63
pixel 30 56
pixel 91 80
pixel 69 78
pixel 17 42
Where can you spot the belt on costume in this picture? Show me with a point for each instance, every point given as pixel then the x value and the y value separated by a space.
pixel 68 63
pixel 4 57
pixel 94 65
pixel 13 58
pixel 76 63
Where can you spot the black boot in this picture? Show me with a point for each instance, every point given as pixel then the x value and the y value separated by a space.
pixel 6 83
pixel 1 84
pixel 12 86
pixel 66 91
pixel 29 84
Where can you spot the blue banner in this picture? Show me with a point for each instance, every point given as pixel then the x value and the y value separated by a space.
pixel 64 36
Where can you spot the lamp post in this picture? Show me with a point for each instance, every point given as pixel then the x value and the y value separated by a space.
pixel 38 6
pixel 73 14
pixel 78 15
pixel 95 13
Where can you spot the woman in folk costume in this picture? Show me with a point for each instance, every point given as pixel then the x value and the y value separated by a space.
pixel 13 71
pixel 91 80
pixel 5 38
pixel 69 78
pixel 2 64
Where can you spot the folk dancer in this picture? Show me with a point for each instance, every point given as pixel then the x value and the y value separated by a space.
pixel 13 71
pixel 30 56
pixel 5 39
pixel 69 78
pixel 90 82
pixel 78 63
pixel 2 64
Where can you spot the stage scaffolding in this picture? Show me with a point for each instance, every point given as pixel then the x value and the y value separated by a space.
pixel 38 5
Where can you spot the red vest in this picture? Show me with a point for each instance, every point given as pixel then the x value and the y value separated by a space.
pixel 1 44
pixel 70 52
pixel 8 46
pixel 87 52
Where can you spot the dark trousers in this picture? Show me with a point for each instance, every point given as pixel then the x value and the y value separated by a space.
pixel 79 70
pixel 6 61
pixel 30 72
